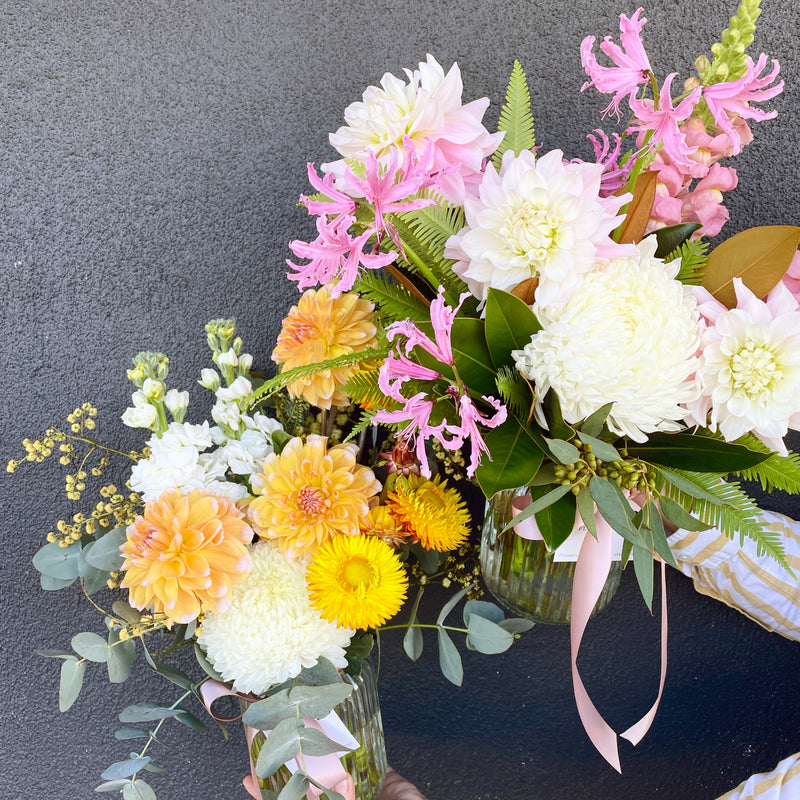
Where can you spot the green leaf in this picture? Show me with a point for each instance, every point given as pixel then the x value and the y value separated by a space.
pixel 58 562
pixel 692 488
pixel 516 120
pixel 551 408
pixel 112 786
pixel 483 609
pixel 593 424
pixel 695 452
pixel 138 790
pixel 285 742
pixel 450 605
pixel 563 452
pixel 105 554
pixel 680 517
pixel 643 567
pixel 205 664
pixel 776 472
pixel 428 559
pixel 295 788
pixel 321 674
pixel 56 654
pixel 72 673
pixel 131 733
pixel 124 769
pixel 91 646
pixel 515 459
pixel 487 636
pixel 656 526
pixel 516 624
pixel 449 659
pixel 671 237
pixel 190 721
pixel 471 355
pixel 125 611
pixel 603 450
pixel 557 520
pixel 54 584
pixel 613 507
pixel 305 701
pixel 393 300
pixel 586 509
pixel 538 505
pixel 412 639
pixel 175 675
pixel 510 324
pixel 147 712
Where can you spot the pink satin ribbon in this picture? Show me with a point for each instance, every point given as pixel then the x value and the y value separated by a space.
pixel 326 770
pixel 591 572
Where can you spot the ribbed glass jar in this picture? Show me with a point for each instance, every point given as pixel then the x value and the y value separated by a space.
pixel 361 714
pixel 522 574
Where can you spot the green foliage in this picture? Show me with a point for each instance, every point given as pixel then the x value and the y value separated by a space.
pixel 729 53
pixel 515 391
pixel 516 120
pixel 363 389
pixel 776 472
pixel 693 256
pixel 393 302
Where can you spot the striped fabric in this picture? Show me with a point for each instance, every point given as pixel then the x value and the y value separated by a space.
pixel 755 585
pixel 783 783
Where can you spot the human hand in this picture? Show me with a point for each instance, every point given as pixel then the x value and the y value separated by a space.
pixel 396 787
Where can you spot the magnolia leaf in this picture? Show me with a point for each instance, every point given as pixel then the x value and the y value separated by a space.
pixel 557 520
pixel 526 290
pixel 124 769
pixel 689 451
pixel 138 790
pixel 471 355
pixel 671 237
pixel 510 324
pixel 449 659
pixel 105 554
pixel 515 459
pixel 72 672
pixel 488 637
pixel 638 212
pixel 91 646
pixel 759 256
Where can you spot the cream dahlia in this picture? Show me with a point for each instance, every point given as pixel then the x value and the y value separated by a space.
pixel 425 111
pixel 537 218
pixel 749 372
pixel 309 493
pixel 270 631
pixel 628 336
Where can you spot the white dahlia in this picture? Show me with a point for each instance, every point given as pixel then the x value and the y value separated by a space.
pixel 749 372
pixel 538 218
pixel 270 632
pixel 628 336
pixel 428 111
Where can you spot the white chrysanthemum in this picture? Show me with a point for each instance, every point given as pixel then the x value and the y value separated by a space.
pixel 536 218
pixel 628 336
pixel 426 110
pixel 749 370
pixel 270 632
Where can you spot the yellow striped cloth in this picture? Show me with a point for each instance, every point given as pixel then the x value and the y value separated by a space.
pixel 783 783
pixel 735 574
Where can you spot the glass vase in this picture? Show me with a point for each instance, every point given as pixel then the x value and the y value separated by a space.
pixel 361 714
pixel 522 574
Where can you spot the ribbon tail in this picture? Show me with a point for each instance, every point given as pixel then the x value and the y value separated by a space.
pixel 636 732
pixel 591 572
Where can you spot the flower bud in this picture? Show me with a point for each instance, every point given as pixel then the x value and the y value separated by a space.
pixel 177 403
pixel 209 379
pixel 153 390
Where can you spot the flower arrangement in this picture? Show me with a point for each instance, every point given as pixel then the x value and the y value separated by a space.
pixel 557 327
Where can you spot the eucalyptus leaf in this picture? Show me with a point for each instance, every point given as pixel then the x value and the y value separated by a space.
pixel 124 769
pixel 538 505
pixel 603 450
pixel 72 673
pixel 656 525
pixel 56 654
pixel 205 664
pixel 131 733
pixel 93 579
pixel 643 567
pixel 412 641
pixel 61 563
pixel 191 721
pixel 153 767
pixel 112 786
pixel 428 559
pixel 125 611
pixel 319 701
pixel 91 646
pixel 516 624
pixel 483 609
pixel 54 584
pixel 678 516
pixel 450 605
pixel 587 510
pixel 105 553
pixel 122 658
pixel 321 674
pixel 563 452
pixel 282 744
pixel 296 787
pixel 614 507
pixel 593 424
pixel 175 675
pixel 147 712
pixel 138 790
pixel 488 637
pixel 449 659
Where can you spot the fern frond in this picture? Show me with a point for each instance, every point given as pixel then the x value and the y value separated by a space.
pixel 734 512
pixel 515 392
pixel 283 379
pixel 777 472
pixel 693 256
pixel 364 421
pixel 516 120
pixel 393 301
pixel 363 389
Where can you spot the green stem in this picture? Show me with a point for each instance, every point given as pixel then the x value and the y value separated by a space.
pixel 413 258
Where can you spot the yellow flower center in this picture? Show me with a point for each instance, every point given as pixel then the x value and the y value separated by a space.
pixel 530 231
pixel 754 369
pixel 429 498
pixel 357 573
pixel 310 500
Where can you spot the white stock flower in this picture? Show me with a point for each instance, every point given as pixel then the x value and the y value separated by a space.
pixel 749 369
pixel 209 379
pixel 226 414
pixel 240 388
pixel 177 403
pixel 152 389
pixel 228 358
pixel 141 414
pixel 536 218
pixel 245 361
pixel 270 632
pixel 628 336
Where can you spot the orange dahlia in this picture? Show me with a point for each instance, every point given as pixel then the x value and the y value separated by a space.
pixel 430 511
pixel 309 493
pixel 318 328
pixel 184 554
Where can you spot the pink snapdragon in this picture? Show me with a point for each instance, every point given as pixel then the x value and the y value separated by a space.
pixel 631 64
pixel 732 99
pixel 664 121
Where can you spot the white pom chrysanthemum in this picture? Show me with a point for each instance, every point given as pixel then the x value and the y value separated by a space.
pixel 270 632
pixel 536 218
pixel 628 336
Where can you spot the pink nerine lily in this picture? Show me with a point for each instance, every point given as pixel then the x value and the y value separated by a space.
pixel 632 64
pixel 727 101
pixel 335 202
pixel 470 417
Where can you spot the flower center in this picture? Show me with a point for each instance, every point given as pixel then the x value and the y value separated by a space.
pixel 358 573
pixel 530 231
pixel 310 500
pixel 754 369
